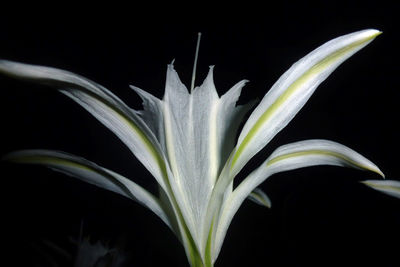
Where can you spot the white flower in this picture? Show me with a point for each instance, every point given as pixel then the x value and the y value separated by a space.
pixel 187 142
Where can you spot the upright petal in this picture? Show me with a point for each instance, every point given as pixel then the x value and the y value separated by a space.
pixel 152 115
pixel 200 129
pixel 288 95
pixel 190 130
pixel 230 116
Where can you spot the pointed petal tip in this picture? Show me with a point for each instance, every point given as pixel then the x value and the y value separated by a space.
pixel 137 90
pixel 375 32
pixel 382 184
pixel 366 182
pixel 134 87
pixel 371 33
pixel 211 71
pixel 170 66
pixel 259 197
pixel 242 84
pixel 375 169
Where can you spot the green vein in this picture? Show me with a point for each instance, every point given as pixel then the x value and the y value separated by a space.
pixel 308 75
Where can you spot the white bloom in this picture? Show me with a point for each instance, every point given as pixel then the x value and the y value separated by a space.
pixel 187 142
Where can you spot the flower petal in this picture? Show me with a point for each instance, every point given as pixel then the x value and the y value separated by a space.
pixel 230 116
pixel 103 105
pixel 200 129
pixel 259 197
pixel 389 187
pixel 288 95
pixel 317 152
pixel 91 173
pixel 126 123
pixel 289 157
pixel 189 121
pixel 152 115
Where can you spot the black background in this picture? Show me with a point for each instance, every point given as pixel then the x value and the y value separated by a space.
pixel 320 216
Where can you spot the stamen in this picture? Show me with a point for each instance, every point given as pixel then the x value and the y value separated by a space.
pixel 195 61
